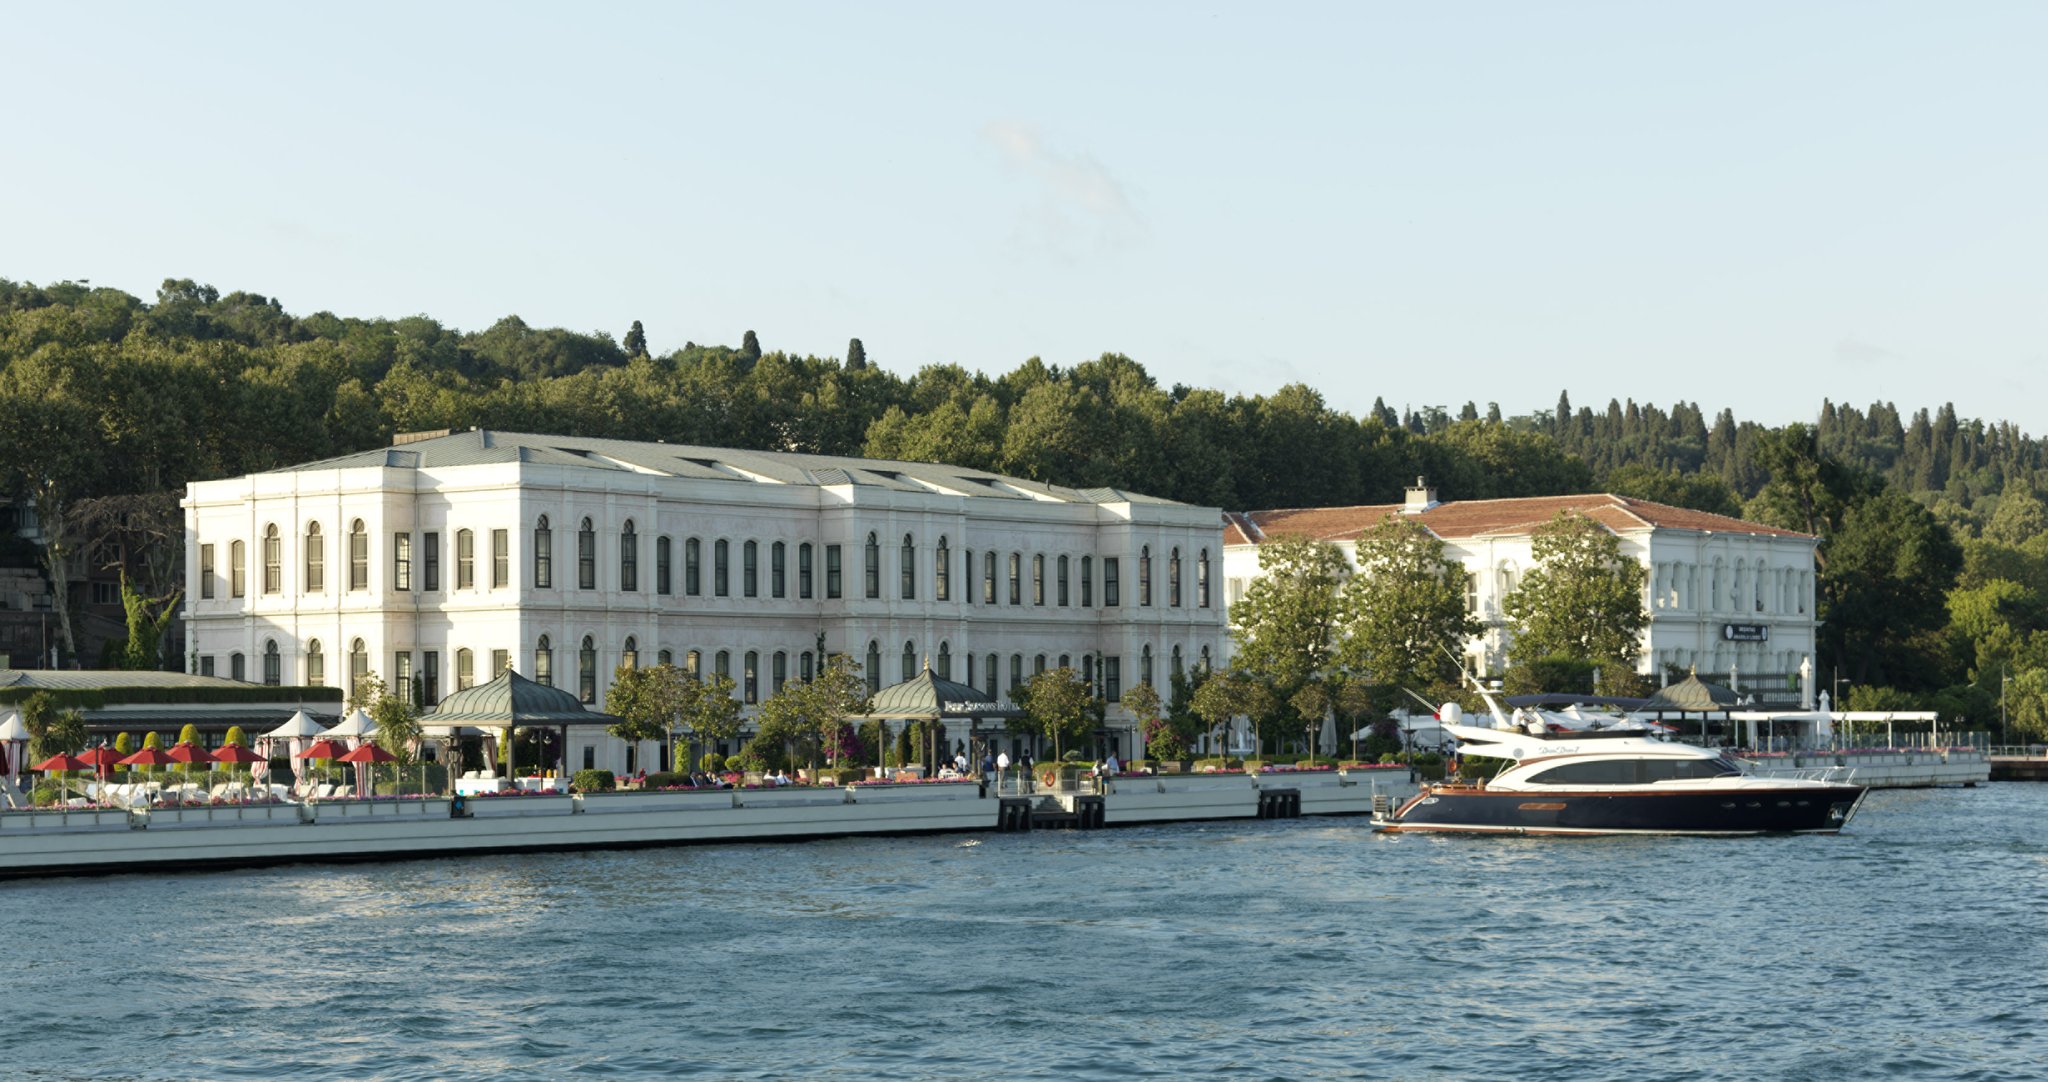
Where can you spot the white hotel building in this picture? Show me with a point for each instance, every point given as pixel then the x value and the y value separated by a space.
pixel 1725 596
pixel 447 557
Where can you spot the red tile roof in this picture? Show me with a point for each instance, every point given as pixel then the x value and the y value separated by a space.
pixel 1485 518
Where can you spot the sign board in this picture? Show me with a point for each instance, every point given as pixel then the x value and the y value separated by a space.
pixel 1746 632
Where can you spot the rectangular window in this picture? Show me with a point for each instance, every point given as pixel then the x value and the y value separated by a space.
pixel 1087 581
pixel 500 661
pixel 543 557
pixel 465 675
pixel 832 571
pixel 988 578
pixel 1063 582
pixel 662 574
pixel 501 559
pixel 206 578
pixel 1109 583
pixel 430 560
pixel 778 570
pixel 465 560
pixel 590 757
pixel 358 558
pixel 1112 678
pixel 401 674
pixel 942 574
pixel 1038 579
pixel 693 567
pixel 238 667
pixel 430 677
pixel 750 569
pixel 1016 578
pixel 238 556
pixel 629 559
pixel 206 665
pixel 401 561
pixel 803 574
pixel 586 557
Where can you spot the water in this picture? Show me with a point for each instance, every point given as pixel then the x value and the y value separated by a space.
pixel 1911 947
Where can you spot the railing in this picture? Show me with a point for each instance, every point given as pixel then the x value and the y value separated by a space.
pixel 2020 751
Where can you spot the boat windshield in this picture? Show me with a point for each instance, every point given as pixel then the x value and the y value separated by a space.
pixel 1633 771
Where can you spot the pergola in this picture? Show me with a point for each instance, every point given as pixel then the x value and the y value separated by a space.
pixel 510 703
pixel 926 697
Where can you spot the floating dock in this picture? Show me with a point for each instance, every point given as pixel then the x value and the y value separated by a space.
pixel 85 841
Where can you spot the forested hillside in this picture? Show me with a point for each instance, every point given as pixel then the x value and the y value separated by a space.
pixel 103 394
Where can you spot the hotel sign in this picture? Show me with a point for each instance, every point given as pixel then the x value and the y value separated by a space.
pixel 1746 632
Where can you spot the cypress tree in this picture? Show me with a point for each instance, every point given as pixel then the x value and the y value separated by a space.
pixel 750 347
pixel 856 356
pixel 636 341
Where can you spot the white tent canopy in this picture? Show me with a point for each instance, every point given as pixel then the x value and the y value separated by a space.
pixel 300 724
pixel 356 725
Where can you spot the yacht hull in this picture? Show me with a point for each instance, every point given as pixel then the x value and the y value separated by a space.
pixel 1806 809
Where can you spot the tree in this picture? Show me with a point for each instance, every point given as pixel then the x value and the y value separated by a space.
pixel 707 708
pixel 1312 705
pixel 2026 698
pixel 51 731
pixel 1227 696
pixel 636 341
pixel 647 702
pixel 1404 615
pixel 1583 599
pixel 1142 702
pixel 814 712
pixel 143 649
pixel 1285 625
pixel 750 348
pixel 1059 705
pixel 1809 489
pixel 856 355
pixel 1882 593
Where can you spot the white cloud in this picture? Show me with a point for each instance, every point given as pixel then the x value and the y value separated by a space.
pixel 1080 204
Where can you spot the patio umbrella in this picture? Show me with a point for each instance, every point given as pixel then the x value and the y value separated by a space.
pixel 296 731
pixel 189 754
pixel 148 757
pixel 61 765
pixel 234 754
pixel 102 758
pixel 323 748
pixel 362 757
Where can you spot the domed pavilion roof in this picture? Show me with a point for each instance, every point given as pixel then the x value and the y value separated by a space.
pixel 514 700
pixel 926 697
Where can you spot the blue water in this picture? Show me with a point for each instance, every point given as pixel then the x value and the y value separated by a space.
pixel 1910 947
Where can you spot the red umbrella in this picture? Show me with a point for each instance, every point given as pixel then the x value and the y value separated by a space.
pixel 363 756
pixel 102 758
pixel 189 753
pixel 324 749
pixel 65 761
pixel 233 754
pixel 148 757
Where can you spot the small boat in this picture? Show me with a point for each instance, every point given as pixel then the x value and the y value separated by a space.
pixel 1566 779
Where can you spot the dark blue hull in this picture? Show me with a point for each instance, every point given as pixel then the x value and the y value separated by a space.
pixel 1790 810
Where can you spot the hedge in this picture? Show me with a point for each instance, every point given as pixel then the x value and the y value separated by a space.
pixel 94 698
pixel 593 781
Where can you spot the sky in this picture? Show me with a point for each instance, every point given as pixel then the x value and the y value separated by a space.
pixel 1752 205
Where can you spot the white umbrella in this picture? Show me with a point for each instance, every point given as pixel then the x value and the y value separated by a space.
pixel 298 730
pixel 356 726
pixel 13 732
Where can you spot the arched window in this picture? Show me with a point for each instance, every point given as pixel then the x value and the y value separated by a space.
pixel 909 662
pixel 1087 581
pixel 543 555
pixel 664 573
pixel 273 663
pixel 1063 582
pixel 751 681
pixel 967 577
pixel 803 573
pixel 501 559
pixel 1173 580
pixel 750 569
pixel 316 559
pixel 586 556
pixel 238 666
pixel 874 666
pixel 238 582
pixel 586 670
pixel 721 663
pixel 872 569
pixel 1038 664
pixel 942 572
pixel 629 658
pixel 1145 665
pixel 1016 673
pixel 1066 661
pixel 465 560
pixel 693 663
pixel 664 657
pixel 1145 576
pixel 358 556
pixel 1179 669
pixel 358 665
pixel 544 662
pixel 1016 578
pixel 721 568
pixel 906 561
pixel 1088 669
pixel 629 558
pixel 1202 580
pixel 693 567
pixel 465 668
pixel 778 570
pixel 1038 578
pixel 316 665
pixel 945 661
pixel 1205 658
pixel 989 672
pixel 1111 586
pixel 988 578
pixel 804 663
pixel 778 672
pixel 273 560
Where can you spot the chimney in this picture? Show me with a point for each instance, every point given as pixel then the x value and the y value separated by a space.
pixel 1421 497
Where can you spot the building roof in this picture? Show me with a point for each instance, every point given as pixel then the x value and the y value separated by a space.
pixel 479 447
pixel 928 697
pixel 1486 518
pixel 102 679
pixel 513 700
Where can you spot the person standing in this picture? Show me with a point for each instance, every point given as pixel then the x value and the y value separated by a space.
pixel 1002 768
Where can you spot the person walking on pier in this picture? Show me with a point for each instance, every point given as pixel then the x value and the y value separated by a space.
pixel 1002 768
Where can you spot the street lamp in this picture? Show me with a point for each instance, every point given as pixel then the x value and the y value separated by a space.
pixel 2004 735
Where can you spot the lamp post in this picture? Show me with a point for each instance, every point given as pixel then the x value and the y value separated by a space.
pixel 2004 735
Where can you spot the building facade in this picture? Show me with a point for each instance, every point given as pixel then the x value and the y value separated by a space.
pixel 1728 597
pixel 441 561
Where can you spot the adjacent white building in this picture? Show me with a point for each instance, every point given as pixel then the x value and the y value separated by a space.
pixel 446 558
pixel 1724 596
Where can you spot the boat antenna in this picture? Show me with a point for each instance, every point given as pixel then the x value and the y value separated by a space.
pixel 1426 704
pixel 1500 720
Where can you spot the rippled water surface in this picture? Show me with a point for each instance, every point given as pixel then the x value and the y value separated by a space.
pixel 1910 947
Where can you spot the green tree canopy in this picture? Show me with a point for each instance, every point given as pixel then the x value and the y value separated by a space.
pixel 1404 615
pixel 1060 706
pixel 1286 624
pixel 1583 599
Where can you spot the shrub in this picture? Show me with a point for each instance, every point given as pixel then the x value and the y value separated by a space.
pixel 711 763
pixel 845 775
pixel 1257 764
pixel 1218 764
pixel 594 781
pixel 665 779
pixel 747 760
pixel 1139 766
pixel 1316 761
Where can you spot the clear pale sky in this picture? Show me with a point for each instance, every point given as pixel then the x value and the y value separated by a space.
pixel 1752 205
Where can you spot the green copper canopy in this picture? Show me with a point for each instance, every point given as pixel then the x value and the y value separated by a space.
pixel 1693 696
pixel 514 700
pixel 925 697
